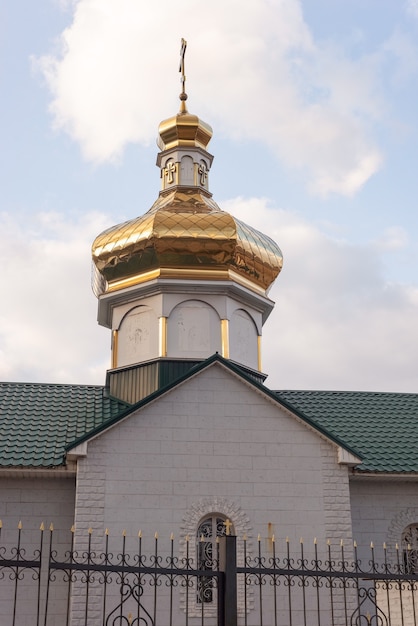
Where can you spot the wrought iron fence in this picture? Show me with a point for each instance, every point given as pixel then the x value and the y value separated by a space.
pixel 265 585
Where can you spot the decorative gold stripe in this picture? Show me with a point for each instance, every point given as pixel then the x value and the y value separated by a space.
pixel 163 337
pixel 225 338
pixel 259 353
pixel 114 349
pixel 185 274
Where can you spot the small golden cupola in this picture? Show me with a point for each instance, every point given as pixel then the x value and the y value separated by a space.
pixel 186 279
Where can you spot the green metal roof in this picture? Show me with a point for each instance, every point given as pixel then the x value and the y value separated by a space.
pixel 37 421
pixel 382 427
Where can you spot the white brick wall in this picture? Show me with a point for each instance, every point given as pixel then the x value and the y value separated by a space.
pixel 33 502
pixel 381 509
pixel 211 437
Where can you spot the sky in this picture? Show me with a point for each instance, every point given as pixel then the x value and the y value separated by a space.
pixel 313 104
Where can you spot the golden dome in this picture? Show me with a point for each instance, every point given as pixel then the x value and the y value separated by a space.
pixel 185 235
pixel 183 129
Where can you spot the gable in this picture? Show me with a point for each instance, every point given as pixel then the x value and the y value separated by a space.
pixel 213 436
pixel 218 399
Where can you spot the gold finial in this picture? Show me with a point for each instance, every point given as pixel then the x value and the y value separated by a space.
pixel 72 529
pixel 139 534
pixel 228 524
pixel 107 532
pixel 42 527
pixel 51 527
pixel 172 537
pixel 123 533
pixel 20 525
pixel 183 95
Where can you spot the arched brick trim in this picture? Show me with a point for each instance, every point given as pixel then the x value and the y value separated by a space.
pixel 396 528
pixel 193 516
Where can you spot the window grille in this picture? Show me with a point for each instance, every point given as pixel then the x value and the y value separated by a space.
pixel 209 529
pixel 410 549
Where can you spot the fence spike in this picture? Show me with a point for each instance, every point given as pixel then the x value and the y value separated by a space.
pixel 328 542
pixel 1 523
pixel 72 529
pixel 273 539
pixel 20 526
pixel 355 543
pixel 371 545
pixel 315 541
pixel 287 540
pixel 107 532
pixel 384 545
pixel 156 536
pixel 301 540
pixel 51 527
pixel 123 533
pixel 42 527
pixel 259 538
pixel 172 537
pixel 245 537
pixel 139 534
pixel 341 543
pixel 396 547
pixel 90 531
pixel 187 538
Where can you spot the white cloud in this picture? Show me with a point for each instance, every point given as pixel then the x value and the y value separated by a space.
pixel 47 322
pixel 337 323
pixel 412 7
pixel 392 238
pixel 253 70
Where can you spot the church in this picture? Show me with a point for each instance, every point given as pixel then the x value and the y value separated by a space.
pixel 185 439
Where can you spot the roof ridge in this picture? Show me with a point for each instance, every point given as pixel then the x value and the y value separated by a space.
pixel 36 384
pixel 346 391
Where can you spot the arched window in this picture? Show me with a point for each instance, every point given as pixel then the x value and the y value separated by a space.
pixel 209 530
pixel 410 548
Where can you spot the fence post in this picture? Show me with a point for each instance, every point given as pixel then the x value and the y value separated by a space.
pixel 228 565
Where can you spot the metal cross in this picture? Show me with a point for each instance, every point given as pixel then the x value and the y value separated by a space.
pixel 203 171
pixel 181 68
pixel 169 171
pixel 228 525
